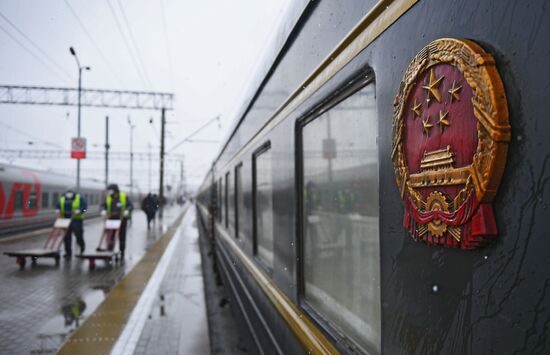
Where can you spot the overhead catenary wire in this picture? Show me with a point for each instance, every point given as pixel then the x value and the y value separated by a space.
pixel 28 50
pixel 186 139
pixel 134 43
pixel 30 135
pixel 166 41
pixel 94 43
pixel 125 40
pixel 37 47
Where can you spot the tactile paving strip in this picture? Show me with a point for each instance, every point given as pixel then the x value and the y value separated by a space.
pixel 100 331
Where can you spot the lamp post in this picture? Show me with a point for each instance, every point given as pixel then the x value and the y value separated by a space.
pixel 132 126
pixel 80 68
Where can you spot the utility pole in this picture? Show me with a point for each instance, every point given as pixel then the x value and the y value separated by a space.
pixel 131 155
pixel 106 151
pixel 161 185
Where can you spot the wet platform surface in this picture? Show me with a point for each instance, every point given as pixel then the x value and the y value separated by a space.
pixel 43 304
pixel 176 322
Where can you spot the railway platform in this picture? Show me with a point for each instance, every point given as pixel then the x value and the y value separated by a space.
pixel 153 303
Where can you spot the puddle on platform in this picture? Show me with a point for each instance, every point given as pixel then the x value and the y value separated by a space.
pixel 71 315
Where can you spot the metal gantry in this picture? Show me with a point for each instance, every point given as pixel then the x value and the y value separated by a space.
pixel 59 96
pixel 62 96
pixel 11 154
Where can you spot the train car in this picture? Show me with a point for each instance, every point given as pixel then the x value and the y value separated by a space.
pixel 28 197
pixel 385 188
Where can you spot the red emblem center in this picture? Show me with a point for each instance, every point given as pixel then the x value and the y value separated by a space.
pixel 439 114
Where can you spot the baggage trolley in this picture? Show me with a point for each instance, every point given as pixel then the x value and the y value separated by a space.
pixel 51 247
pixel 108 237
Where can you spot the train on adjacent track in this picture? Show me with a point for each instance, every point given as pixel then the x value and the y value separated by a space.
pixel 372 122
pixel 28 197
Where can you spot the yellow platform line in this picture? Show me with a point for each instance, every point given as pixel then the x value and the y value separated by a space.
pixel 99 333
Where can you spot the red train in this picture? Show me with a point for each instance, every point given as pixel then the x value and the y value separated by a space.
pixel 28 197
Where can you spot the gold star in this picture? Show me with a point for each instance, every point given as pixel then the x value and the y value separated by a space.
pixel 416 109
pixel 433 87
pixel 454 91
pixel 426 126
pixel 443 120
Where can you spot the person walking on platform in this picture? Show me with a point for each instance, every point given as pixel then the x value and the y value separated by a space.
pixel 149 206
pixel 72 205
pixel 117 205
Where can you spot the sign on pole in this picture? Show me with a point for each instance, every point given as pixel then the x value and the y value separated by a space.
pixel 78 148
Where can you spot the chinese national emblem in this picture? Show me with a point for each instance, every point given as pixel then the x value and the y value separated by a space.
pixel 450 139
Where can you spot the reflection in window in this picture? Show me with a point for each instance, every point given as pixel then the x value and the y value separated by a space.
pixel 239 203
pixel 55 199
pixel 340 211
pixel 263 207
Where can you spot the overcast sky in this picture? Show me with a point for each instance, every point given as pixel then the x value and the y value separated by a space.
pixel 203 51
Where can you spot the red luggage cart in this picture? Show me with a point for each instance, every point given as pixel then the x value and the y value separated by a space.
pixel 51 247
pixel 108 238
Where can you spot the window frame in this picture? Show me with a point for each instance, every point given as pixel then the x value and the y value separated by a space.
pixel 265 147
pixel 226 198
pixel 55 199
pixel 325 105
pixel 19 200
pixel 45 199
pixel 219 206
pixel 33 196
pixel 238 168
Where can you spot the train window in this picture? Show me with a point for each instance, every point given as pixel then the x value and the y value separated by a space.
pixel 55 199
pixel 231 205
pixel 239 201
pixel 225 201
pixel 220 199
pixel 340 276
pixel 45 199
pixel 18 200
pixel 263 205
pixel 31 203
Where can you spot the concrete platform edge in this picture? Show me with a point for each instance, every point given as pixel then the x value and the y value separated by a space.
pixel 134 282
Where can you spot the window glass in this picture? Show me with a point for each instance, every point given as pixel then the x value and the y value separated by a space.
pixel 220 199
pixel 226 199
pixel 55 199
pixel 18 200
pixel 340 218
pixel 231 204
pixel 45 199
pixel 239 202
pixel 31 203
pixel 263 207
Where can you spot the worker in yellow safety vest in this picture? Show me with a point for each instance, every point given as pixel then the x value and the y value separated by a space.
pixel 117 205
pixel 72 205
